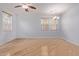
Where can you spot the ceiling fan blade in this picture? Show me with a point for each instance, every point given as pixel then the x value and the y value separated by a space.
pixel 18 6
pixel 32 7
pixel 26 10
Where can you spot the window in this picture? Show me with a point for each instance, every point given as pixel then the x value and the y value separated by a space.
pixel 44 24
pixel 6 22
pixel 49 23
pixel 53 24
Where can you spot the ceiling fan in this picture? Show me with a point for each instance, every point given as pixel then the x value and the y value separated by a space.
pixel 26 6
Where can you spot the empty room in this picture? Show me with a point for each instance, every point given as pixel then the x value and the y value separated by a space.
pixel 39 29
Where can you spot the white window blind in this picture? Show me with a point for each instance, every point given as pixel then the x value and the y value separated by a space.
pixel 6 22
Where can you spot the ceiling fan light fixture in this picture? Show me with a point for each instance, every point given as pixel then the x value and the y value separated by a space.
pixel 25 7
pixel 58 17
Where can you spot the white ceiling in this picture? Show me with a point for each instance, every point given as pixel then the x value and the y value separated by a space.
pixel 43 8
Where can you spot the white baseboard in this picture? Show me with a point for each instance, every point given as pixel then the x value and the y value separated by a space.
pixel 38 37
pixel 70 41
pixel 10 39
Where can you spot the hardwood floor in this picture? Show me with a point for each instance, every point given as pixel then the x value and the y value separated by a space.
pixel 39 47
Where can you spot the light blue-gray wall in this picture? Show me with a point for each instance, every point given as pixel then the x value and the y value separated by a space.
pixel 7 36
pixel 29 24
pixel 70 25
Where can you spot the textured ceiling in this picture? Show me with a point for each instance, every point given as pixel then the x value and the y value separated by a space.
pixel 43 8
